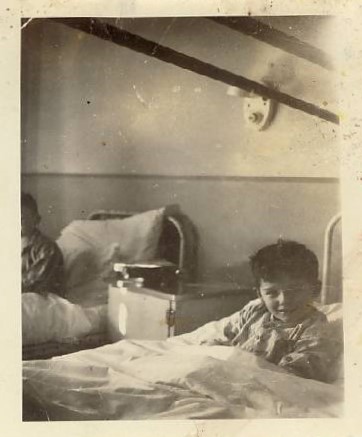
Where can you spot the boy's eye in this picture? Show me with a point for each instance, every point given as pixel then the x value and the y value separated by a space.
pixel 293 290
pixel 271 292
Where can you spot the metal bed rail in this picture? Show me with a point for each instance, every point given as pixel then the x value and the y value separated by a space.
pixel 327 258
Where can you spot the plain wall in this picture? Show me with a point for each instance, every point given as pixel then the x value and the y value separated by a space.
pixel 92 107
pixel 104 127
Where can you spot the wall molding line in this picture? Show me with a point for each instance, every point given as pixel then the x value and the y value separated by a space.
pixel 220 178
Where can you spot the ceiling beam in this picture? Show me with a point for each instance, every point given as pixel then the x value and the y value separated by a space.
pixel 276 38
pixel 139 44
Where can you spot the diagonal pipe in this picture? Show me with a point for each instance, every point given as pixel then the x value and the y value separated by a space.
pixel 139 44
pixel 276 38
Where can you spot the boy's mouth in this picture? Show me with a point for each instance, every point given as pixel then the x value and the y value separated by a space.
pixel 290 314
pixel 286 312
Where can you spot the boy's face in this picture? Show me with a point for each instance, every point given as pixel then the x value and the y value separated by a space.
pixel 29 221
pixel 287 299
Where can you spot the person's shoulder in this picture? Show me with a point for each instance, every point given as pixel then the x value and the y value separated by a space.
pixel 44 243
pixel 253 307
pixel 254 303
pixel 39 237
pixel 317 325
pixel 318 317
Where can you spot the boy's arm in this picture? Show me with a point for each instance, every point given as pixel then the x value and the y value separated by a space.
pixel 315 355
pixel 45 270
pixel 209 334
pixel 219 332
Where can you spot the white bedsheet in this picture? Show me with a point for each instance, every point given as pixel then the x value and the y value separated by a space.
pixel 160 379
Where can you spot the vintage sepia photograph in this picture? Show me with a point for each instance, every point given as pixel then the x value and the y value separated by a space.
pixel 181 241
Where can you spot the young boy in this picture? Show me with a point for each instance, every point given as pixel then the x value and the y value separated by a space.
pixel 282 325
pixel 42 265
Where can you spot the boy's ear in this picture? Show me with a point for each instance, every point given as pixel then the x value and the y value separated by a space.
pixel 257 291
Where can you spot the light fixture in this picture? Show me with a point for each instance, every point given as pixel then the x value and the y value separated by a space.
pixel 259 111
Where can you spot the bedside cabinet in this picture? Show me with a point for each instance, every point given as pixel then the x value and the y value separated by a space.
pixel 143 313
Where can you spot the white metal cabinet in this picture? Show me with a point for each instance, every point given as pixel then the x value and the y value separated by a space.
pixel 142 313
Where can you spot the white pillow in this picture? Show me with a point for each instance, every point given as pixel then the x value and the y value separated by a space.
pixel 53 318
pixel 87 244
pixel 333 311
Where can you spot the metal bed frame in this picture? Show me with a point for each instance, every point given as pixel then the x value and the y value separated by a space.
pixel 178 244
pixel 327 258
pixel 178 241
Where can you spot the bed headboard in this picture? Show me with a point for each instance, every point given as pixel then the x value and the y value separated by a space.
pixel 327 292
pixel 178 241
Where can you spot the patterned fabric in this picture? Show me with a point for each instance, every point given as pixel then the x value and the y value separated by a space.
pixel 310 349
pixel 305 349
pixel 42 266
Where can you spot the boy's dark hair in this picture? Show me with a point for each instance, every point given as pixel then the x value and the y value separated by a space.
pixel 28 201
pixel 284 257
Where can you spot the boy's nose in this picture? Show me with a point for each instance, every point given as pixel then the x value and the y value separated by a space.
pixel 283 298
